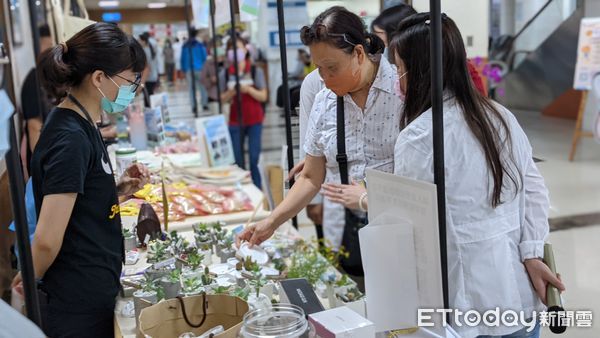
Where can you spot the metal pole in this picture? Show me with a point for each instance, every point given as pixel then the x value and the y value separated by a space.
pixel 17 194
pixel 238 93
pixel 214 29
pixel 437 107
pixel 191 53
pixel 286 93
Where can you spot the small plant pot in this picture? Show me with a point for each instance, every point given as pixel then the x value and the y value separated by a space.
pixel 189 274
pixel 209 288
pixel 260 302
pixel 227 254
pixel 201 242
pixel 171 288
pixel 154 274
pixel 207 257
pixel 130 243
pixel 142 300
pixel 193 293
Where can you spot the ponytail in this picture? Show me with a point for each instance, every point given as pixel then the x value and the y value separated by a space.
pixel 374 44
pixel 56 75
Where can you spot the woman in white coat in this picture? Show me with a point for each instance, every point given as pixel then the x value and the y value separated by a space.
pixel 496 200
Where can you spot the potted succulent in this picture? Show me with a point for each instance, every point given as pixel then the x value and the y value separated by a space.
pixel 206 252
pixel 171 284
pixel 241 292
pixel 193 263
pixel 192 286
pixel 222 290
pixel 208 281
pixel 129 240
pixel 148 295
pixel 227 250
pixel 307 263
pixel 158 251
pixel 258 300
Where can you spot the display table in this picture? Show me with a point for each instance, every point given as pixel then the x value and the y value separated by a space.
pixel 125 327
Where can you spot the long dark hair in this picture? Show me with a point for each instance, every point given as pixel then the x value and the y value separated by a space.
pixel 411 45
pixel 390 19
pixel 343 30
pixel 101 46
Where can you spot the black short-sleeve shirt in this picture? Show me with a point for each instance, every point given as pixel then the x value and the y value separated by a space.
pixel 70 158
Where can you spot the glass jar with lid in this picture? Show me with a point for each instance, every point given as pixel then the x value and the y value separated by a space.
pixel 278 321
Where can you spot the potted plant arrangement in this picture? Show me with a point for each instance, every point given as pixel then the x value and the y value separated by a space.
pixel 129 240
pixel 192 286
pixel 257 299
pixel 171 284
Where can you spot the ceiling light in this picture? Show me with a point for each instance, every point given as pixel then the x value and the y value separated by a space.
pixel 155 5
pixel 108 4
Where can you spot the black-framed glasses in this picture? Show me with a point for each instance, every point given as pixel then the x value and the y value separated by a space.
pixel 135 83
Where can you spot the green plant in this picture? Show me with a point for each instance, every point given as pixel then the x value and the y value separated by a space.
pixel 206 277
pixel 257 281
pixel 191 285
pixel 279 264
pixel 154 286
pixel 250 265
pixel 242 293
pixel 332 255
pixel 194 260
pixel 228 242
pixel 222 290
pixel 217 227
pixel 174 276
pixel 307 263
pixel 343 281
pixel 158 251
pixel 201 228
pixel 203 237
pixel 127 233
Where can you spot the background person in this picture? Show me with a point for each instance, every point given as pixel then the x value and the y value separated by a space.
pixel 254 93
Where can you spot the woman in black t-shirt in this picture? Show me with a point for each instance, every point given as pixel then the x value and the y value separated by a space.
pixel 78 247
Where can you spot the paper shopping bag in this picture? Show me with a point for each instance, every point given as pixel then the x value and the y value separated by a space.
pixel 196 314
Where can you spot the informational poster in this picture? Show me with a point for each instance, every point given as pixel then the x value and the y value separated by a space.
pixel 222 12
pixel 296 16
pixel 216 145
pixel 401 253
pixel 588 54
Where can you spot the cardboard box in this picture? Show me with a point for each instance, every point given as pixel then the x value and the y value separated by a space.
pixel 342 322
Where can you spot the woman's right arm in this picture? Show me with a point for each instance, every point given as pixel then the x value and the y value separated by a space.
pixel 302 192
pixel 50 231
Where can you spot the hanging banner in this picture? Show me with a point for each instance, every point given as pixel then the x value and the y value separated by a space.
pixel 201 12
pixel 222 15
pixel 588 54
pixel 249 10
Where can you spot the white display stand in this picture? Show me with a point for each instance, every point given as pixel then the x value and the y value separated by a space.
pixel 400 252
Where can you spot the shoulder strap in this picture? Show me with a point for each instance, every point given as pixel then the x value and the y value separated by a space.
pixel 253 72
pixel 342 157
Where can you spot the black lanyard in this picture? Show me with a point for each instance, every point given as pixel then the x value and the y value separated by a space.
pixel 89 118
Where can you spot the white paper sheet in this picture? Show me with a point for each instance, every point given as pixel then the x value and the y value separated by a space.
pixel 389 263
pixel 398 200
